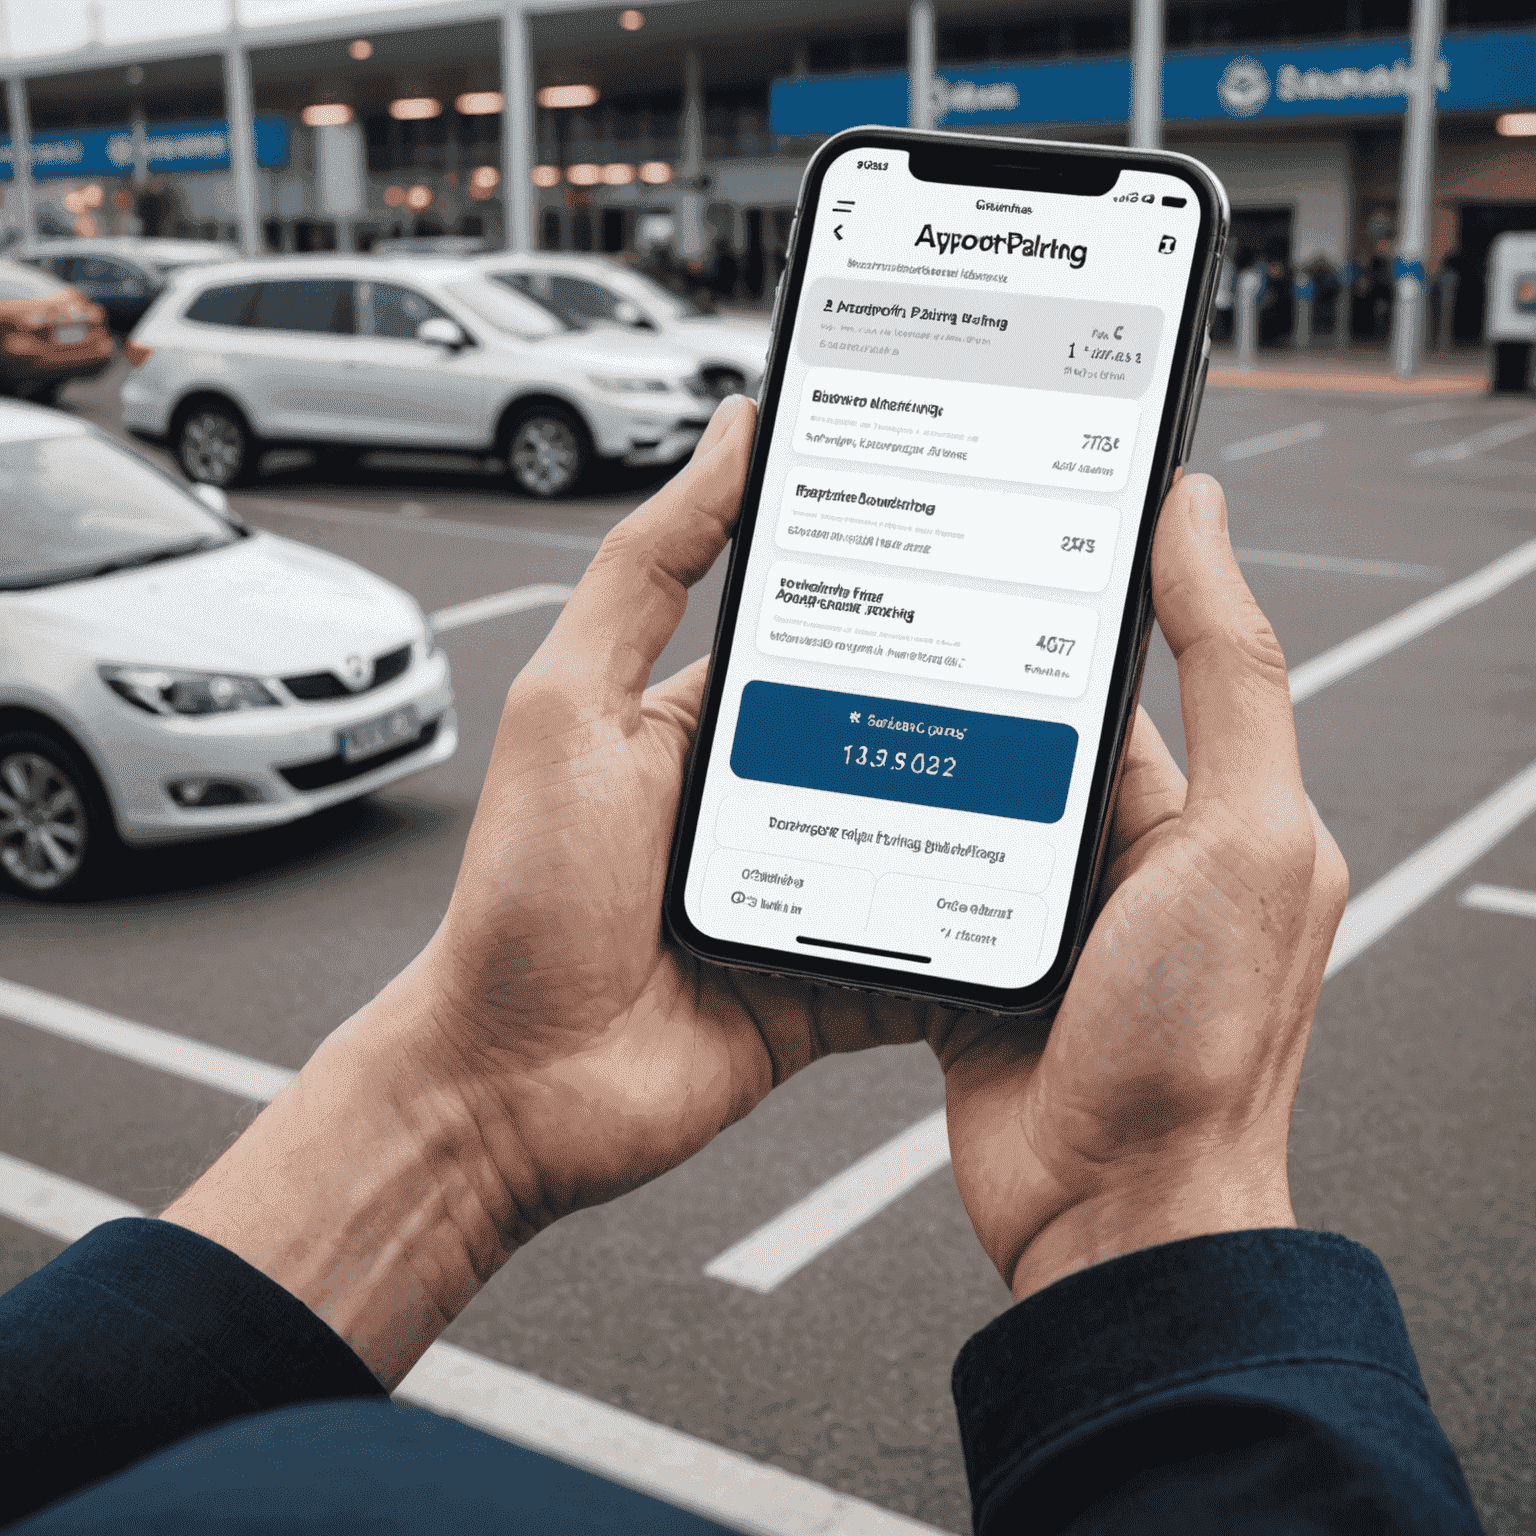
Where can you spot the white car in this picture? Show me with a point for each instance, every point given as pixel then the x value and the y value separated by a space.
pixel 168 673
pixel 350 353
pixel 588 291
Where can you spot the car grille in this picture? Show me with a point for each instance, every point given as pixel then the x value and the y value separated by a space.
pixel 326 771
pixel 326 685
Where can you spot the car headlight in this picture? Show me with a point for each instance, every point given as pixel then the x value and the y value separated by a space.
pixel 625 385
pixel 162 691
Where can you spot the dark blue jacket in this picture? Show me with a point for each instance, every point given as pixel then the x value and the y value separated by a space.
pixel 1245 1383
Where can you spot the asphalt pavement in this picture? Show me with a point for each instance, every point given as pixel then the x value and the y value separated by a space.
pixel 1412 1134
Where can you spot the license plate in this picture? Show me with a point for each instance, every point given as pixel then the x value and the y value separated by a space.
pixel 375 736
pixel 70 335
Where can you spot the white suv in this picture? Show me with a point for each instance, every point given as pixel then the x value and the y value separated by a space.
pixel 345 354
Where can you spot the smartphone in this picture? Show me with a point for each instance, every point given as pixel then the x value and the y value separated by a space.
pixel 986 364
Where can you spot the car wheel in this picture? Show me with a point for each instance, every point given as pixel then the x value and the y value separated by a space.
pixel 547 451
pixel 213 446
pixel 56 833
pixel 721 382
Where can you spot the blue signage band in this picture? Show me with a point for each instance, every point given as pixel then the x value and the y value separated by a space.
pixel 189 146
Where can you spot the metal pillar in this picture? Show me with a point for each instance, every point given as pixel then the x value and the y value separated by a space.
pixel 21 155
pixel 1416 197
pixel 1147 74
pixel 517 137
pixel 242 142
pixel 690 223
pixel 920 64
pixel 1250 284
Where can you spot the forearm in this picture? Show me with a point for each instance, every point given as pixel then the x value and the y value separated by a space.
pixel 364 1189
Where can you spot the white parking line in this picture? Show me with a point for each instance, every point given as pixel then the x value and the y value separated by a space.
pixel 1494 437
pixel 1344 565
pixel 498 605
pixel 1287 437
pixel 51 1204
pixel 1405 889
pixel 691 1474
pixel 807 1229
pixel 150 1047
pixel 1313 676
pixel 255 506
pixel 1499 898
pixel 827 1215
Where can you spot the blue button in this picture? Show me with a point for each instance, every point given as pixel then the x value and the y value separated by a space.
pixel 920 754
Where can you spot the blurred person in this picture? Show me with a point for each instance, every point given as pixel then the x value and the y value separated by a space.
pixel 1277 306
pixel 1179 1356
pixel 723 269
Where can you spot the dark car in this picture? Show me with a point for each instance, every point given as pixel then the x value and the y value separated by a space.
pixel 123 276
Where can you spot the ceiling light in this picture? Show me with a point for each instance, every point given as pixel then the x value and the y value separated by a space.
pixel 567 96
pixel 583 175
pixel 478 103
pixel 631 21
pixel 361 49
pixel 1517 125
pixel 412 109
pixel 545 176
pixel 619 174
pixel 656 172
pixel 486 176
pixel 419 198
pixel 394 196
pixel 331 114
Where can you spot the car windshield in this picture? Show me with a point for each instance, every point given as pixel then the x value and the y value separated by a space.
pixel 18 282
pixel 73 506
pixel 513 313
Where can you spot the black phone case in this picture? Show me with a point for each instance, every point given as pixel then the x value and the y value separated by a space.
pixel 1175 433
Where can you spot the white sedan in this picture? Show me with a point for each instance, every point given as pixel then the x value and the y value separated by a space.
pixel 730 352
pixel 167 672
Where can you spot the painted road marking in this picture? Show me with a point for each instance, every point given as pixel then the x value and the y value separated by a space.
pixel 808 1228
pixel 1287 437
pixel 51 1204
pixel 143 1043
pixel 1422 415
pixel 498 605
pixel 691 1474
pixel 1405 889
pixel 770 1255
pixel 1493 437
pixel 1344 565
pixel 1499 898
pixel 255 506
pixel 1313 676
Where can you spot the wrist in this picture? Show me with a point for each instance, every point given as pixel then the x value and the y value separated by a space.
pixel 365 1189
pixel 1171 1203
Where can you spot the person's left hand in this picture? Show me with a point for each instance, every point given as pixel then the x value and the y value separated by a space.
pixel 592 1054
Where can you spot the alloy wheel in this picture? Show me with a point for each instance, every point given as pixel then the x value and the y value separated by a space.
pixel 42 822
pixel 213 448
pixel 545 456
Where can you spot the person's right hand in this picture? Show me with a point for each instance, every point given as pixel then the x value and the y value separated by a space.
pixel 1158 1105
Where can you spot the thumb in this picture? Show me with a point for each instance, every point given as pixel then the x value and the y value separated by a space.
pixel 1232 679
pixel 633 595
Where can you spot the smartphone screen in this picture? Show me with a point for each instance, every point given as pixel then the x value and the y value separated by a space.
pixel 926 625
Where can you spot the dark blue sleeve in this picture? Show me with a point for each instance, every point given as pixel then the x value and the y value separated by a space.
pixel 140 1334
pixel 1246 1383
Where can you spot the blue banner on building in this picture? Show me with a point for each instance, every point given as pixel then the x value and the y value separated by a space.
pixel 195 146
pixel 1477 71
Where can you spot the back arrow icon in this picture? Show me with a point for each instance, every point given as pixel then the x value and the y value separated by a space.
pixel 837 230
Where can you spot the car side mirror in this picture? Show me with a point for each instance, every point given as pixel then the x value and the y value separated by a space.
pixel 628 313
pixel 214 499
pixel 438 332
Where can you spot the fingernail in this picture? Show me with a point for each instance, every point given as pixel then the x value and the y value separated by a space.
pixel 1208 506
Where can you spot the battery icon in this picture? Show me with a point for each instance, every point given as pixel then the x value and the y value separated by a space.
pixel 1174 202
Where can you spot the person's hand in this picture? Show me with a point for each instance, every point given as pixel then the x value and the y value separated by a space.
pixel 1158 1105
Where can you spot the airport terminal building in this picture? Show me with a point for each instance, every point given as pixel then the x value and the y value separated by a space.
pixel 690 122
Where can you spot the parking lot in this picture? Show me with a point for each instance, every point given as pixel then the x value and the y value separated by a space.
pixel 1412 1131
